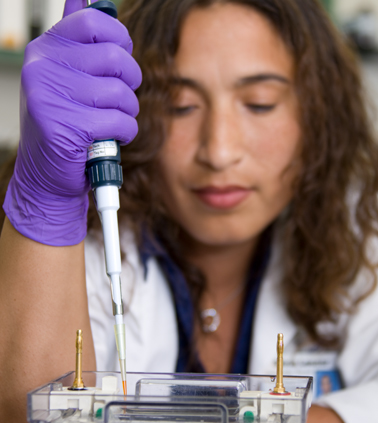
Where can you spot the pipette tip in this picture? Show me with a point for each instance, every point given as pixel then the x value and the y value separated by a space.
pixel 123 375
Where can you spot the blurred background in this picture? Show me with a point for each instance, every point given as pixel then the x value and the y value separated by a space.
pixel 24 20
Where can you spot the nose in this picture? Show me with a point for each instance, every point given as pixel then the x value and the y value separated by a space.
pixel 221 143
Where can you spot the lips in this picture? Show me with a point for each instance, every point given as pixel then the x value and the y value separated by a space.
pixel 222 198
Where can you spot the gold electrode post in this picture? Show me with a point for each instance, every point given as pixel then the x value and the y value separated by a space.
pixel 279 388
pixel 78 382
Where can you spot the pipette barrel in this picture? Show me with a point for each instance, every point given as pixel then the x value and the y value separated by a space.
pixel 105 176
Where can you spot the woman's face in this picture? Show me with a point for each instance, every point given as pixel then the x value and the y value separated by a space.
pixel 233 146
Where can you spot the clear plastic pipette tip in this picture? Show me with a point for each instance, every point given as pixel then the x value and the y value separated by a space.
pixel 122 364
pixel 119 329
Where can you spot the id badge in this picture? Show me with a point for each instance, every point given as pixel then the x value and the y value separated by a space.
pixel 321 365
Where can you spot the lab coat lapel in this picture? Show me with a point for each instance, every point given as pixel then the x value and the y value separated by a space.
pixel 270 318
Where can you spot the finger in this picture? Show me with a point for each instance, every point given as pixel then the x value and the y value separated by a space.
pixel 101 93
pixel 72 6
pixel 110 124
pixel 91 124
pixel 92 26
pixel 77 126
pixel 105 59
pixel 57 82
pixel 129 48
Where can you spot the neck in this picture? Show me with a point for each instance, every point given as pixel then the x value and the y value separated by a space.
pixel 224 267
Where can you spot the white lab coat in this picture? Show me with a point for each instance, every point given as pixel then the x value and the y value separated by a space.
pixel 152 337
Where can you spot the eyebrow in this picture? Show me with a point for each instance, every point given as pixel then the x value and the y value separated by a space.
pixel 186 82
pixel 262 77
pixel 247 80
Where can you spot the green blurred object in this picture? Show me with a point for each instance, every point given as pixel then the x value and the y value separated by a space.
pixel 248 417
pixel 117 2
pixel 99 413
pixel 328 5
pixel 11 57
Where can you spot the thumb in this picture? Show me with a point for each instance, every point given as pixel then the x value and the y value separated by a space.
pixel 72 6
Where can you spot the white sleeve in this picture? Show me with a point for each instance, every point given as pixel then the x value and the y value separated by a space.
pixel 354 404
pixel 358 366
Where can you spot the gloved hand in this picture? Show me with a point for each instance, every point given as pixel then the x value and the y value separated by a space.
pixel 76 86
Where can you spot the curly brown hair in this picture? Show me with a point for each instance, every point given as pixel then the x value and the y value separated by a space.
pixel 326 237
pixel 324 245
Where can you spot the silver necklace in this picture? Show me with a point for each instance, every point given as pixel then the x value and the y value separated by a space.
pixel 210 318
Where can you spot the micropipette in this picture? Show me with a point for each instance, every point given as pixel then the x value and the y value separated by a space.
pixel 105 176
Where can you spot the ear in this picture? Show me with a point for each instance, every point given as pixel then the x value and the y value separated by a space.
pixel 72 6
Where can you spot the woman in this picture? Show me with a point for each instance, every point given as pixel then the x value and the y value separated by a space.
pixel 249 195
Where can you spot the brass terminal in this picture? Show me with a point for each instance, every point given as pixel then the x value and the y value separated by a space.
pixel 279 388
pixel 78 383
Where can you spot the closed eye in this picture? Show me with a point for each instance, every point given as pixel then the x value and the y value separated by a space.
pixel 182 111
pixel 260 108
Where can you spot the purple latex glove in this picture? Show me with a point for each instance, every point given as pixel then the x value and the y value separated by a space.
pixel 77 86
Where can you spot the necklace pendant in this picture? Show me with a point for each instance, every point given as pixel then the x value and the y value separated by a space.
pixel 210 320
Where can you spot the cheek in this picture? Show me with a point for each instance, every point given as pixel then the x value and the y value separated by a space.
pixel 174 164
pixel 276 149
pixel 180 146
pixel 180 134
